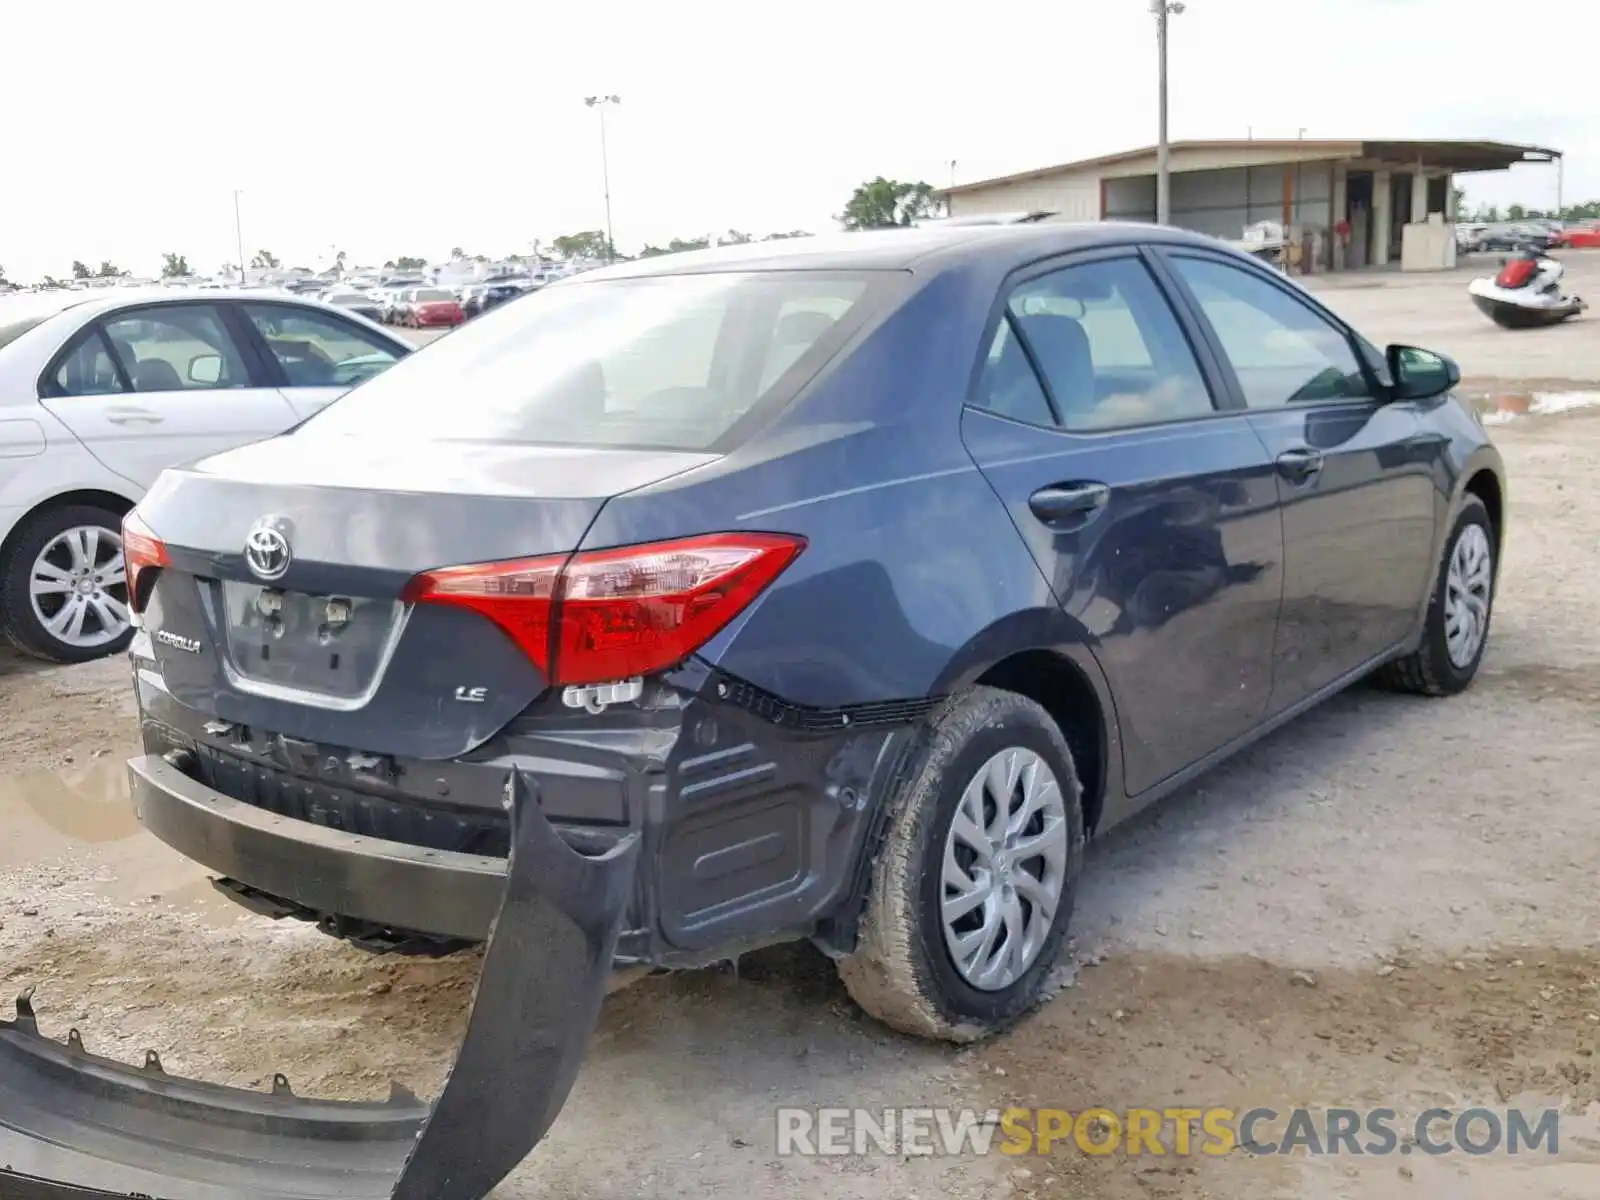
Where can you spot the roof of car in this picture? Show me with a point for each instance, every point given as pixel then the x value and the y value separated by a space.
pixel 899 249
pixel 98 300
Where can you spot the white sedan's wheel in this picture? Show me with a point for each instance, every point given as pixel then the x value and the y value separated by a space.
pixel 78 587
pixel 64 585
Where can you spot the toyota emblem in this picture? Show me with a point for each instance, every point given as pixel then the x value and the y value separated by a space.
pixel 266 550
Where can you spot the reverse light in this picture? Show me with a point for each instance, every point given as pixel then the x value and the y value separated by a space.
pixel 142 551
pixel 604 615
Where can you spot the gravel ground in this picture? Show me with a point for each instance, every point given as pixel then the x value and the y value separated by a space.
pixel 1388 903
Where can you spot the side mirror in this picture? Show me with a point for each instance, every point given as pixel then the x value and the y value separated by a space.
pixel 1420 374
pixel 205 368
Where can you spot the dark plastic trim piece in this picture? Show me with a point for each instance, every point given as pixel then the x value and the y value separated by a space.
pixel 885 714
pixel 76 1126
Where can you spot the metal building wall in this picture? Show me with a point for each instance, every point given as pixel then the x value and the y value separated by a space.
pixel 1223 202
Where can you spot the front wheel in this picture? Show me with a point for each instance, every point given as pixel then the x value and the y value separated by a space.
pixel 1456 630
pixel 64 587
pixel 973 886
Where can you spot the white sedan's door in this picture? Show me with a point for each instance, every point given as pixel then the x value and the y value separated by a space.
pixel 322 354
pixel 160 386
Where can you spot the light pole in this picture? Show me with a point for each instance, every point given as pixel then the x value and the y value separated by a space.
pixel 600 102
pixel 1162 10
pixel 238 235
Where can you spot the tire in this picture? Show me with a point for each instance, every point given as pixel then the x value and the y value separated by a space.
pixel 23 624
pixel 902 970
pixel 1431 670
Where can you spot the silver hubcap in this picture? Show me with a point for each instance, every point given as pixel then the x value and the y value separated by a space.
pixel 1005 864
pixel 79 587
pixel 1466 596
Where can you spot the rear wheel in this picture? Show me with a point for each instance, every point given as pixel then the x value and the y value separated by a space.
pixel 64 587
pixel 1456 631
pixel 973 887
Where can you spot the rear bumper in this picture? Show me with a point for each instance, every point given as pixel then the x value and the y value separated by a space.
pixel 74 1126
pixel 388 883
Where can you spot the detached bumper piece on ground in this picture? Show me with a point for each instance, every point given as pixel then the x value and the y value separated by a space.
pixel 74 1125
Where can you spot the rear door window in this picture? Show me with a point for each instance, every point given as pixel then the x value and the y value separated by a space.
pixel 665 361
pixel 88 370
pixel 176 348
pixel 1110 346
pixel 1009 386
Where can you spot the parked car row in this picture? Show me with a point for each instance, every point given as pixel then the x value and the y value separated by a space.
pixel 1482 237
pixel 1585 236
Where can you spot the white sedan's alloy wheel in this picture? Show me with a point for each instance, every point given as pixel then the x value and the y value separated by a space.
pixel 78 587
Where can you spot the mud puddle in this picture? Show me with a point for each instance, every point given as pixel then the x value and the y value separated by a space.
pixel 80 813
pixel 1508 1029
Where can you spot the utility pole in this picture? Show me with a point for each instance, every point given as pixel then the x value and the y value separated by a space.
pixel 1162 10
pixel 238 235
pixel 599 103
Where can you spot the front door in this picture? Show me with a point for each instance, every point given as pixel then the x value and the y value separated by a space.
pixel 155 387
pixel 1152 511
pixel 1355 473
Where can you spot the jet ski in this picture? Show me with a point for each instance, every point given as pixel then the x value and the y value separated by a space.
pixel 1526 293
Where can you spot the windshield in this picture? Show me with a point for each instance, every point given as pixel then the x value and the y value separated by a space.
pixel 434 294
pixel 670 362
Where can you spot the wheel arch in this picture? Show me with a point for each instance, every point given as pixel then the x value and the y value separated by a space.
pixel 1045 655
pixel 98 497
pixel 1486 484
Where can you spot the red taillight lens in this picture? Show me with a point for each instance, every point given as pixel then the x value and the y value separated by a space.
pixel 518 596
pixel 142 551
pixel 613 614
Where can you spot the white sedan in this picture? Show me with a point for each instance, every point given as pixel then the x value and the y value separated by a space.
pixel 101 391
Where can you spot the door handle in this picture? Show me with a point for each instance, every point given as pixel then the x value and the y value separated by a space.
pixel 134 416
pixel 1063 501
pixel 1300 465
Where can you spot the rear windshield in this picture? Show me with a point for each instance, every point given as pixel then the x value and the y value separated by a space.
pixel 23 311
pixel 434 294
pixel 670 362
pixel 10 333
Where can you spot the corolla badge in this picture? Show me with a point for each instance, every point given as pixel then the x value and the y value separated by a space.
pixel 266 549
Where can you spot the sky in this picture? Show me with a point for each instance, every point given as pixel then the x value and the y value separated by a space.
pixel 398 127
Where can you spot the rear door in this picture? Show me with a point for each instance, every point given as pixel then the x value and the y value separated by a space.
pixel 314 356
pixel 1355 472
pixel 161 385
pixel 1147 502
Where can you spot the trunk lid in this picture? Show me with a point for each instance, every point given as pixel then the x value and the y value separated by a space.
pixel 282 608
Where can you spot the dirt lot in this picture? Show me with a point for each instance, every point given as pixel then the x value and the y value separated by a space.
pixel 1389 903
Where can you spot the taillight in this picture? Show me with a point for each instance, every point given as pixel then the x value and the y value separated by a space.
pixel 613 614
pixel 142 551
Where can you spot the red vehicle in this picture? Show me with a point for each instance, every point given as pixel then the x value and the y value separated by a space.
pixel 429 308
pixel 1581 237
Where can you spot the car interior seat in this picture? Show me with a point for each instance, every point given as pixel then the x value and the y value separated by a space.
pixel 791 338
pixel 156 375
pixel 1062 348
